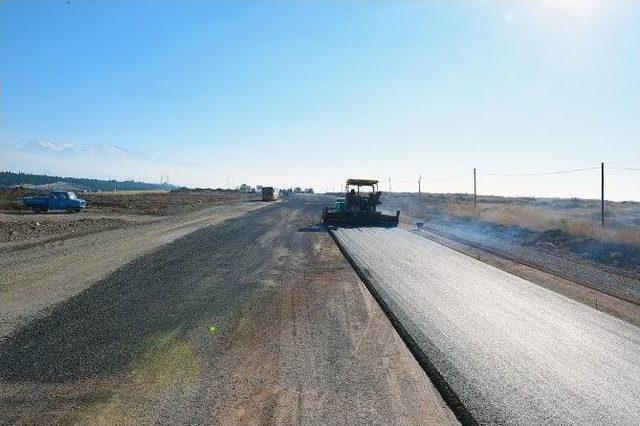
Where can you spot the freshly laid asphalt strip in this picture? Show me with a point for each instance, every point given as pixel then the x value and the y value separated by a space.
pixel 511 351
pixel 259 319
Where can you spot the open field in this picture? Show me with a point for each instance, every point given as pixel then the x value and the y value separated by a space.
pixel 105 211
pixel 159 203
pixel 567 228
pixel 134 202
pixel 577 217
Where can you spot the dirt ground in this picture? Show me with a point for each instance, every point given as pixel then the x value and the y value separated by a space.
pixel 36 229
pixel 160 203
pixel 37 276
pixel 257 320
pixel 135 202
pixel 20 227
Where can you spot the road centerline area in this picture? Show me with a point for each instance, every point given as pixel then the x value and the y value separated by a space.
pixel 513 352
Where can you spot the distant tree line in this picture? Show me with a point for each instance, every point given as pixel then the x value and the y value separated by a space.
pixel 297 190
pixel 15 179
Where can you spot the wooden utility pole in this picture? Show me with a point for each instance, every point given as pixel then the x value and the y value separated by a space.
pixel 602 193
pixel 419 182
pixel 475 194
pixel 389 185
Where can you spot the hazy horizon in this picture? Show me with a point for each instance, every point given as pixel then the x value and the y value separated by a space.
pixel 308 94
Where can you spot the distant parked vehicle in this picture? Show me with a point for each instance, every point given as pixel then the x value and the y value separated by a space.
pixel 57 200
pixel 269 193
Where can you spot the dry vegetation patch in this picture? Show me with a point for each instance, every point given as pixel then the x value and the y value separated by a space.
pixel 162 203
pixel 570 226
pixel 580 218
pixel 11 198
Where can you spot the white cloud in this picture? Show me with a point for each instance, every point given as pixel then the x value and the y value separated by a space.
pixel 509 17
pixel 70 148
pixel 100 161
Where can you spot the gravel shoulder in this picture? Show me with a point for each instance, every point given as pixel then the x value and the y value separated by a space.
pixel 35 278
pixel 258 319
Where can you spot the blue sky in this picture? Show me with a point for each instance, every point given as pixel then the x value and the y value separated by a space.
pixel 310 93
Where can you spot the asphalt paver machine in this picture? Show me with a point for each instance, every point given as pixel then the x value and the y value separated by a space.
pixel 358 207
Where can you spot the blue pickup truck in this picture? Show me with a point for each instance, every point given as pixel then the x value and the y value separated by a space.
pixel 57 200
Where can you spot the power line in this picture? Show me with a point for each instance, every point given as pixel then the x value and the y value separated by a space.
pixel 634 169
pixel 447 178
pixel 557 172
pixel 420 178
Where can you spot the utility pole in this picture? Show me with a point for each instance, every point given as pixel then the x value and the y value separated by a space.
pixel 389 185
pixel 475 193
pixel 419 183
pixel 602 193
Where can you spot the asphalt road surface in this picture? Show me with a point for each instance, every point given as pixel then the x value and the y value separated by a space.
pixel 258 319
pixel 513 352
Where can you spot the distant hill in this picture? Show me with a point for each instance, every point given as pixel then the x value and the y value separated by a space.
pixel 10 179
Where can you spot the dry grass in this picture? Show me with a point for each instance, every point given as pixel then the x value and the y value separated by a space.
pixel 538 219
pixel 624 235
pixel 11 198
pixel 575 217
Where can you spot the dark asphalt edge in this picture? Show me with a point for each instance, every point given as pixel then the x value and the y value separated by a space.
pixel 448 395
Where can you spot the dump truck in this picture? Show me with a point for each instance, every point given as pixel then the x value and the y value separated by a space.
pixel 269 193
pixel 358 207
pixel 57 200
